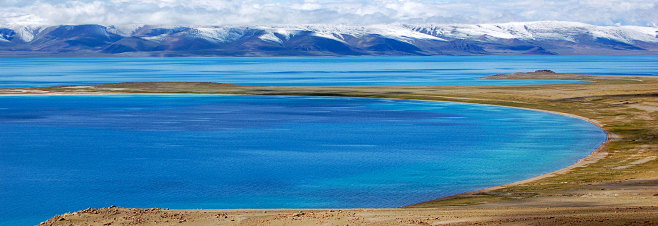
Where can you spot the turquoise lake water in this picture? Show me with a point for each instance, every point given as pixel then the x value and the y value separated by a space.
pixel 313 71
pixel 67 153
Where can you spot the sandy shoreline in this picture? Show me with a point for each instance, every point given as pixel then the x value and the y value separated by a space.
pixel 596 155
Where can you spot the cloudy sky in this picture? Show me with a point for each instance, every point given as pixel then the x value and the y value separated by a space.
pixel 363 12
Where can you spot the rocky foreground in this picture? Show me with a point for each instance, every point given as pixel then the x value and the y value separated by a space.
pixel 452 216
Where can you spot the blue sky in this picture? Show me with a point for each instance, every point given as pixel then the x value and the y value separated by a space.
pixel 359 12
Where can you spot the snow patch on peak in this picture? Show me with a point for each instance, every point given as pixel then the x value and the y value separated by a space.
pixel 626 34
pixel 401 33
pixel 332 36
pixel 540 30
pixel 288 33
pixel 220 34
pixel 124 30
pixel 279 34
pixel 269 36
pixel 27 33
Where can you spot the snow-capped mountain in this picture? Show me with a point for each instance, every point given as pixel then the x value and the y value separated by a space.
pixel 546 37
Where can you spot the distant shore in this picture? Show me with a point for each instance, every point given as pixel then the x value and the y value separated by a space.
pixel 621 174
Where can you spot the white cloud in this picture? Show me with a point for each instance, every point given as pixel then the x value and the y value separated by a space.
pixel 234 12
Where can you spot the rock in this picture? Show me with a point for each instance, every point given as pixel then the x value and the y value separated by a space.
pixel 545 71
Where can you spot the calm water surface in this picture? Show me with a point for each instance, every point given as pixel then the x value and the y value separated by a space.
pixel 61 154
pixel 313 71
pixel 66 153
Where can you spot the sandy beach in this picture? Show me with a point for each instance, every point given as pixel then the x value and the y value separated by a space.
pixel 616 184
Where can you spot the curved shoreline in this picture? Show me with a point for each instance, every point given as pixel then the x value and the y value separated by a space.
pixel 592 157
pixel 596 155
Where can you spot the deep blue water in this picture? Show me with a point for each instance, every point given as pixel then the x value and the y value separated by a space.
pixel 66 153
pixel 312 71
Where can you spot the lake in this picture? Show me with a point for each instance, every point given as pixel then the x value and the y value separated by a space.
pixel 66 153
pixel 312 71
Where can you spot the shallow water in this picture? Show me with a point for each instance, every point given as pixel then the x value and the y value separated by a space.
pixel 66 153
pixel 312 71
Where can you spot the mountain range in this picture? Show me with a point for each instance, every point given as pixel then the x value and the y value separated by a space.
pixel 519 38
